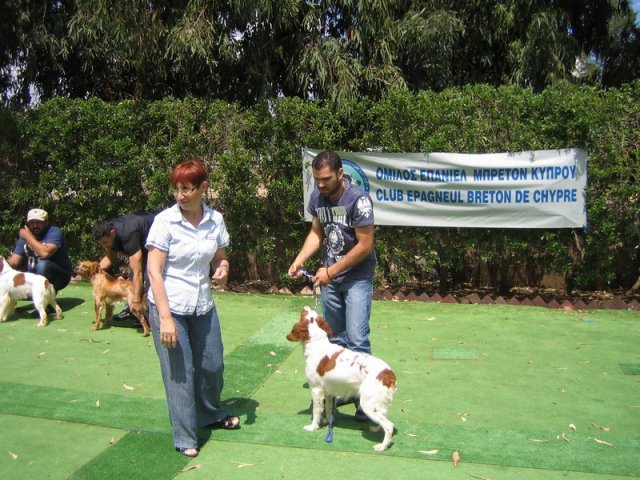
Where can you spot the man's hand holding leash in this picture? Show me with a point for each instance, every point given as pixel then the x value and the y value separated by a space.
pixel 296 272
pixel 320 279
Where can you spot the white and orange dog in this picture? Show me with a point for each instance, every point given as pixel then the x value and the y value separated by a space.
pixel 15 285
pixel 333 371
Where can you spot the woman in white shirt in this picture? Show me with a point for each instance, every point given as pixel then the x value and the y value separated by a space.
pixel 186 242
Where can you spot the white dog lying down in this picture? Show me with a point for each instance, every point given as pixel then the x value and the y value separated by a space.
pixel 333 371
pixel 16 286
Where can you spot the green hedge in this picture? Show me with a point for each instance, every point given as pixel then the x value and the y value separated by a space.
pixel 85 160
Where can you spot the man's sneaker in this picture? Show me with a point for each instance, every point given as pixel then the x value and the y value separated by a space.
pixel 125 319
pixel 342 401
pixel 124 315
pixel 360 416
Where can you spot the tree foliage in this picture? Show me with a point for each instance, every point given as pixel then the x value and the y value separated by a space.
pixel 340 50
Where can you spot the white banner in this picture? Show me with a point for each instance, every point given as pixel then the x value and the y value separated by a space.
pixel 535 189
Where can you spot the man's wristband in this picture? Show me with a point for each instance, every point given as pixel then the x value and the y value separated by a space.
pixel 327 268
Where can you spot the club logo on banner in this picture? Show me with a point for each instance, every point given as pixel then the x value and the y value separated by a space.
pixel 355 174
pixel 533 189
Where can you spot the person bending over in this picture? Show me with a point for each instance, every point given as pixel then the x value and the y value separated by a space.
pixel 126 235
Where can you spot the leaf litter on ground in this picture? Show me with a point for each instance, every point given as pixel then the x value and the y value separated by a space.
pixel 602 442
pixel 191 467
pixel 242 464
pixel 429 452
pixel 606 429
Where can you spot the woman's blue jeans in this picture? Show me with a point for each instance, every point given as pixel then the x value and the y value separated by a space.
pixel 192 373
pixel 347 308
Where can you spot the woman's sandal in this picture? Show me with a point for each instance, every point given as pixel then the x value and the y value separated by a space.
pixel 230 422
pixel 188 452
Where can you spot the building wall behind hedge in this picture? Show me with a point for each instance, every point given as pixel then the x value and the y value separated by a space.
pixel 87 160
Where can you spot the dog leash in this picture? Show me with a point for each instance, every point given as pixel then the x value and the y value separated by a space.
pixel 329 437
pixel 309 277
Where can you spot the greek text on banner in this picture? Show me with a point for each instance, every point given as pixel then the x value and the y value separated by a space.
pixel 533 189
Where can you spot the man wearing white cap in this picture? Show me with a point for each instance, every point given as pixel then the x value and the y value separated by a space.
pixel 41 249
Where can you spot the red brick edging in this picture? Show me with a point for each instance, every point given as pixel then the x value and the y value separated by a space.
pixel 537 301
pixel 590 303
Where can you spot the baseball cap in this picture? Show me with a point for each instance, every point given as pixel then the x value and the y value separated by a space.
pixel 37 214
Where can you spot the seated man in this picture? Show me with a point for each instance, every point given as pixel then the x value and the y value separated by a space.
pixel 126 234
pixel 41 249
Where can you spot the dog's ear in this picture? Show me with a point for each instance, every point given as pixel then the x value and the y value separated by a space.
pixel 299 332
pixel 324 326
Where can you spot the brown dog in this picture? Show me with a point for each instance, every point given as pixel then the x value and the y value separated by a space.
pixel 108 290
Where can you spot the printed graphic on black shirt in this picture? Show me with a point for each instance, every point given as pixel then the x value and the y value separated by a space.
pixel 364 207
pixel 335 241
pixel 336 222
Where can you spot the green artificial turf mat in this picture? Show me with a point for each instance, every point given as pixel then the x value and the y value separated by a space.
pixel 137 455
pixel 37 448
pixel 454 353
pixel 118 411
pixel 255 359
pixel 540 370
pixel 529 449
pixel 527 388
pixel 230 460
pixel 630 368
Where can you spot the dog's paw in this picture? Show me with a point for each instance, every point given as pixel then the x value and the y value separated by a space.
pixel 379 447
pixel 41 324
pixel 311 428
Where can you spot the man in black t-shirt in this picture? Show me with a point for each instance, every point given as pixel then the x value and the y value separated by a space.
pixel 126 235
pixel 343 228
